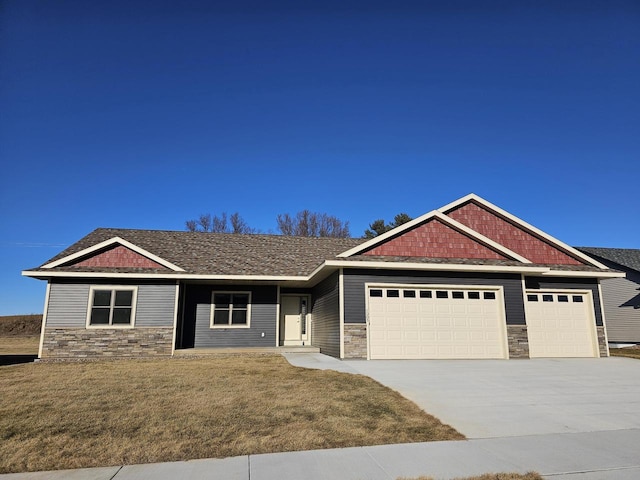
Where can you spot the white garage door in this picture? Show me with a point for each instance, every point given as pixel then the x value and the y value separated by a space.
pixel 432 322
pixel 560 324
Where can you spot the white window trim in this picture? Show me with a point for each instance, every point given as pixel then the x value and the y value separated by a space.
pixel 213 309
pixel 134 303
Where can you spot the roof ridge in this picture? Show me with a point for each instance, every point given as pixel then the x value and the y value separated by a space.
pixel 186 232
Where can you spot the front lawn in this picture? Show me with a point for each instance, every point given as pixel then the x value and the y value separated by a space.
pixel 72 415
pixel 19 345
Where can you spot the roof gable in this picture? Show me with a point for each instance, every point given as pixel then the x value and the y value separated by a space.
pixel 116 256
pixel 113 253
pixel 434 239
pixel 514 233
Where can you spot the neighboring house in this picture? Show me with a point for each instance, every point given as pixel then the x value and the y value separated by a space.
pixel 468 280
pixel 622 294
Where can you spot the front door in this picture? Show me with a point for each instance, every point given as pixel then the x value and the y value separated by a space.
pixel 294 320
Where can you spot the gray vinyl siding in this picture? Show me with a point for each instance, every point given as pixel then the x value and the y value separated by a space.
pixel 325 311
pixel 570 284
pixel 68 303
pixel 155 305
pixel 355 295
pixel 263 317
pixel 621 297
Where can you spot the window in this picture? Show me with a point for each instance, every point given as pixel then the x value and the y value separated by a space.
pixel 425 294
pixel 375 293
pixel 231 310
pixel 111 306
pixel 532 298
pixel 457 294
pixel 547 298
pixel 577 298
pixel 473 295
pixel 563 298
pixel 393 293
pixel 409 293
pixel 489 295
pixel 442 294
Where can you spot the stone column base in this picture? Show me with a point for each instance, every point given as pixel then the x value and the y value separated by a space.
pixel 518 341
pixel 355 340
pixel 602 342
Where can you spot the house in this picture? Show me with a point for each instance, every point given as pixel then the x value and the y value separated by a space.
pixel 468 280
pixel 621 294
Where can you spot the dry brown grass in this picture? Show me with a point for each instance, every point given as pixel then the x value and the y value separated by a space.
pixel 19 345
pixel 625 352
pixel 493 476
pixel 71 415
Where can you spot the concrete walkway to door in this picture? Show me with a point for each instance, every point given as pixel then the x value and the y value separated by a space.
pixel 501 398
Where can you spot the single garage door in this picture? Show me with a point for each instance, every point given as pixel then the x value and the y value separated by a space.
pixel 560 324
pixel 432 322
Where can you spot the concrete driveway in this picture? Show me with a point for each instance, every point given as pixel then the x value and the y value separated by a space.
pixel 502 398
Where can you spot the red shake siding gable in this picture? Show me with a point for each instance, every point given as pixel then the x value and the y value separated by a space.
pixel 509 235
pixel 118 256
pixel 434 240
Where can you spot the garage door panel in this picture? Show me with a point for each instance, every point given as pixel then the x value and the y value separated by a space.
pixel 437 325
pixel 560 326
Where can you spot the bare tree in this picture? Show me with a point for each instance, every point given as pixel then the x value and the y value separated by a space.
pixel 219 224
pixel 312 224
pixel 238 225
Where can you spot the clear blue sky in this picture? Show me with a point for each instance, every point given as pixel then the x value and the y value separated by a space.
pixel 144 114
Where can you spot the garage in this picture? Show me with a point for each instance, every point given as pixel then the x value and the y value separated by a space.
pixel 436 322
pixel 560 324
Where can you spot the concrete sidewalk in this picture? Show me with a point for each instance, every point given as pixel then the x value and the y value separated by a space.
pixel 592 455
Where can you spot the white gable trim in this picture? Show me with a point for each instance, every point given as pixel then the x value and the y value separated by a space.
pixel 526 226
pixel 434 214
pixel 107 243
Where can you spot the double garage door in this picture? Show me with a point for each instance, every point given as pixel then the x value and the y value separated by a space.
pixel 426 322
pixel 430 322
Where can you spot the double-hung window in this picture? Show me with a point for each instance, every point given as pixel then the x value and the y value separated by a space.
pixel 111 306
pixel 231 310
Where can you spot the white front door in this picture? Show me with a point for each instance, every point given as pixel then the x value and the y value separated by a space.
pixel 294 320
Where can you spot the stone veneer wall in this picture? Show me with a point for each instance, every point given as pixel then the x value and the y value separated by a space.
pixel 355 340
pixel 106 342
pixel 602 342
pixel 518 341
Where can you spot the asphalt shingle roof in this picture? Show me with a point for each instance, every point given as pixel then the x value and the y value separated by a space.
pixel 201 253
pixel 626 257
pixel 222 253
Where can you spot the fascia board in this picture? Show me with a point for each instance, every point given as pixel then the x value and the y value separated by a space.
pixel 173 276
pixel 570 273
pixel 451 267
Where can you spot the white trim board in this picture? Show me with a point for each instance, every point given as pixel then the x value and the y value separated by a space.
pixel 108 243
pixel 445 267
